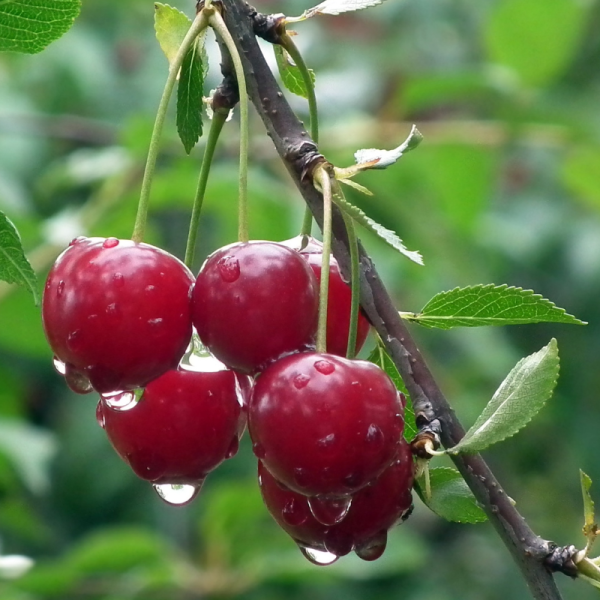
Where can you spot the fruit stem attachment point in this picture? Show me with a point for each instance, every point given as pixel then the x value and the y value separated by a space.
pixel 198 26
pixel 429 448
pixel 323 178
pixel 215 20
pixel 218 120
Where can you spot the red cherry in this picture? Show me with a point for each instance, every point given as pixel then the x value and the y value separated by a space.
pixel 374 510
pixel 325 425
pixel 117 312
pixel 255 302
pixel 185 425
pixel 338 303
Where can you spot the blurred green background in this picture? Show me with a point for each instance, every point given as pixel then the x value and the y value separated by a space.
pixel 504 189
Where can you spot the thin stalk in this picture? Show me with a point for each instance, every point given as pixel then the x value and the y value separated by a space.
pixel 200 23
pixel 215 20
pixel 354 286
pixel 322 177
pixel 292 50
pixel 216 126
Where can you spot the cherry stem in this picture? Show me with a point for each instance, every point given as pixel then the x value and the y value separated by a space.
pixel 354 285
pixel 215 20
pixel 292 50
pixel 218 120
pixel 322 177
pixel 198 26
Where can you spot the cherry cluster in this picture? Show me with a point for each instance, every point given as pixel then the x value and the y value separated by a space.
pixel 334 469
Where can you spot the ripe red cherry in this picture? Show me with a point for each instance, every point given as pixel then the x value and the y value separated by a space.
pixel 185 425
pixel 338 303
pixel 324 425
pixel 118 313
pixel 374 510
pixel 253 303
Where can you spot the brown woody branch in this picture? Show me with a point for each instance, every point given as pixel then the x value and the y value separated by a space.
pixel 300 155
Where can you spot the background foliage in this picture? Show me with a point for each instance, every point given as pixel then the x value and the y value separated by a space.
pixel 503 190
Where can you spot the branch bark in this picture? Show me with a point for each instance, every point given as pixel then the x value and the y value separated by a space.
pixel 300 155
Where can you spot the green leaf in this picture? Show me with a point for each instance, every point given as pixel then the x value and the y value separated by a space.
pixel 189 95
pixel 537 38
pixel 449 496
pixel 14 266
pixel 481 305
pixel 337 7
pixel 30 25
pixel 382 359
pixel 171 26
pixel 290 73
pixel 385 234
pixel 518 399
pixel 590 528
pixel 30 450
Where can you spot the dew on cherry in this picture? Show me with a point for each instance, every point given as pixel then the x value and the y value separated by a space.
pixel 373 548
pixel 229 268
pixel 177 494
pixel 76 240
pixel 155 322
pixel 294 513
pixel 100 415
pixel 324 367
pixel 149 289
pixel 301 477
pixel 60 288
pixel 112 309
pixel 321 558
pixel 74 340
pixel 258 450
pixel 110 242
pixel 121 400
pixel 326 441
pixel 59 366
pixel 198 358
pixel 118 280
pixel 77 381
pixel 234 446
pixel 374 438
pixel 301 381
pixel 329 510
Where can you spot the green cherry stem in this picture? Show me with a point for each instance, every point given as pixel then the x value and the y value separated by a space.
pixel 323 178
pixel 198 26
pixel 292 50
pixel 216 125
pixel 215 20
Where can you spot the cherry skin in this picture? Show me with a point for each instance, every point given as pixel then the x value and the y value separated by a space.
pixel 324 425
pixel 118 313
pixel 185 424
pixel 374 510
pixel 339 303
pixel 253 303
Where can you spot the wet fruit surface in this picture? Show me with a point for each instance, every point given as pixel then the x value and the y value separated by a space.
pixel 185 425
pixel 254 302
pixel 373 511
pixel 116 312
pixel 325 425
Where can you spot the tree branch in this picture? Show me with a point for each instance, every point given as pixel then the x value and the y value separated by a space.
pixel 300 155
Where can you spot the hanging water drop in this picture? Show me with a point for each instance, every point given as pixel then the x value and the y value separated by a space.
pixel 100 415
pixel 197 358
pixel 120 400
pixel 373 548
pixel 329 510
pixel 177 494
pixel 234 446
pixel 229 268
pixel 321 558
pixel 77 381
pixel 59 366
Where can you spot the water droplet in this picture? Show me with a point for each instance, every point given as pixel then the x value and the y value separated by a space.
pixel 322 558
pixel 112 309
pixel 77 381
pixel 325 367
pixel 197 358
pixel 118 280
pixel 294 513
pixel 120 400
pixel 229 268
pixel 149 289
pixel 234 446
pixel 77 240
pixel 155 322
pixel 301 477
pixel 329 510
pixel 258 450
pixel 177 494
pixel 74 340
pixel 301 381
pixel 110 242
pixel 59 366
pixel 354 480
pixel 327 441
pixel 60 288
pixel 374 438
pixel 100 415
pixel 373 548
